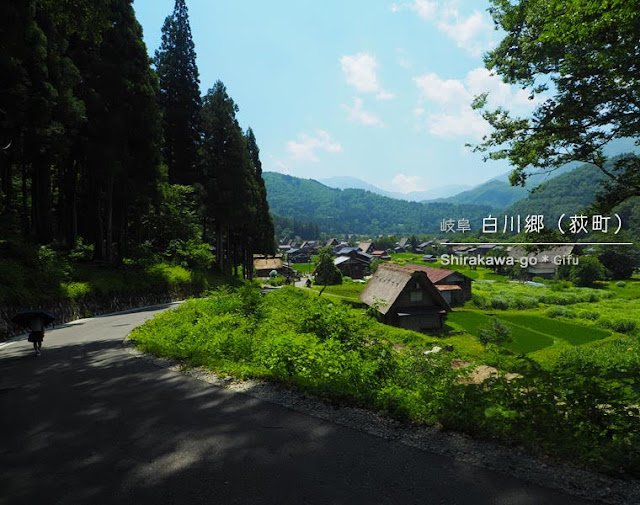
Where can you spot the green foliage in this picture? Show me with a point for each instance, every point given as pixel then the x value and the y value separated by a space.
pixel 179 96
pixel 584 408
pixel 496 333
pixel 327 274
pixel 621 325
pixel 620 261
pixel 574 55
pixel 190 254
pixel 343 211
pixel 587 272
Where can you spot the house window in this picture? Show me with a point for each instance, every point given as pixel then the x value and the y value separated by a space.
pixel 416 296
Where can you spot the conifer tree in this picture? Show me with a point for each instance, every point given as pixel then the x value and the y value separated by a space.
pixel 179 97
pixel 229 183
pixel 264 240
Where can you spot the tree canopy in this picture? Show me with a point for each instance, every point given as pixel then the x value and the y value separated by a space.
pixel 580 60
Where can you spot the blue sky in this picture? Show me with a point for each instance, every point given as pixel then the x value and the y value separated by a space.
pixel 373 89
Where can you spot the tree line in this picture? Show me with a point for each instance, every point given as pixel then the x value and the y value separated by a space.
pixel 101 144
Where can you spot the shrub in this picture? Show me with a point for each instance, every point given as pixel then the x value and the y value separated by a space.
pixel 190 254
pixel 590 315
pixel 560 312
pixel 620 325
pixel 496 332
pixel 587 272
pixel 500 303
pixel 621 284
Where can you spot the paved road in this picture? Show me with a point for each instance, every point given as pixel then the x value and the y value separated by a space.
pixel 87 423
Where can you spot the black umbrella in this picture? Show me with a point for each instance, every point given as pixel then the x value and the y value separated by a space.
pixel 26 316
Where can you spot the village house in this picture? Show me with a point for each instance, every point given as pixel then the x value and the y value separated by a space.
pixel 366 247
pixel 381 255
pixel 352 262
pixel 406 299
pixel 454 286
pixel 264 267
pixel 298 256
pixel 542 263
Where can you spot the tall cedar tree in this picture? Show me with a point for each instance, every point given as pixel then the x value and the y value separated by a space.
pixel 229 183
pixel 40 110
pixel 265 232
pixel 179 97
pixel 123 134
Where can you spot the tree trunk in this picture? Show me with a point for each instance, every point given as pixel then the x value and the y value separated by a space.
pixel 109 217
pixel 41 201
pixel 26 226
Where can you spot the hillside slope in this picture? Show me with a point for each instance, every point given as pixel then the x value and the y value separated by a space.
pixel 358 211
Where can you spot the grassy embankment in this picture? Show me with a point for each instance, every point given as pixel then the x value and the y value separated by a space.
pixel 32 276
pixel 583 407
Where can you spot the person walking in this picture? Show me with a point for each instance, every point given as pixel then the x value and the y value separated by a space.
pixel 37 334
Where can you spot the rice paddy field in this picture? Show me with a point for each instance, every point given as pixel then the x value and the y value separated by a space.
pixel 544 320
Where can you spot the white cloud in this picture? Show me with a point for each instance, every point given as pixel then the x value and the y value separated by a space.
pixel 473 33
pixel 306 148
pixel 425 9
pixel 357 114
pixel 461 123
pixel 407 184
pixel 445 92
pixel 361 72
pixel 279 165
pixel 451 114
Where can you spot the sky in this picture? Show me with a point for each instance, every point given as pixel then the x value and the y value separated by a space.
pixel 373 89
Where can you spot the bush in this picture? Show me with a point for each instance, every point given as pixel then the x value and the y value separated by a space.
pixel 560 312
pixel 496 333
pixel 590 315
pixel 621 284
pixel 620 325
pixel 587 272
pixel 190 254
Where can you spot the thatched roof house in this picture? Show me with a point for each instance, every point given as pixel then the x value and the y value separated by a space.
pixel 406 298
pixel 454 286
pixel 545 262
pixel 264 266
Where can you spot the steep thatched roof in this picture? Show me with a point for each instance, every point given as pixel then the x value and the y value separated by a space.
pixel 389 281
pixel 267 264
pixel 435 274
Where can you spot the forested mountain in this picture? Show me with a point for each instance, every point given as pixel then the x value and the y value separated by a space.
pixel 495 193
pixel 568 193
pixel 573 193
pixel 94 142
pixel 358 211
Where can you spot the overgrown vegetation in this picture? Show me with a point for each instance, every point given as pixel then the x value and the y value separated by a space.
pixel 583 408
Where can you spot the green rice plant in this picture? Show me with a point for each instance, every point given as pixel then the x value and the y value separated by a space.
pixel 573 333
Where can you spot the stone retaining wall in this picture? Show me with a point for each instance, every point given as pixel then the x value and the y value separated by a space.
pixel 70 310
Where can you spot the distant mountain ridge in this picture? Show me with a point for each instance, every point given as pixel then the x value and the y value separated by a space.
pixel 359 211
pixel 347 182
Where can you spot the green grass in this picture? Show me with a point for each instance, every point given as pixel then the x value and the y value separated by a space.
pixel 348 290
pixel 525 340
pixel 323 347
pixel 572 333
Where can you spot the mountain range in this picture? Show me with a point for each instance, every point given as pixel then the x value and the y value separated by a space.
pixel 346 182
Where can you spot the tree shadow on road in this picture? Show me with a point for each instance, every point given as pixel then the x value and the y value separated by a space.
pixel 91 424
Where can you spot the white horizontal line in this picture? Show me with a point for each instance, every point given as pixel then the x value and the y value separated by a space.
pixel 537 243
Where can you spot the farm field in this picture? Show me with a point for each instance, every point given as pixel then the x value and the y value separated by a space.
pixel 544 320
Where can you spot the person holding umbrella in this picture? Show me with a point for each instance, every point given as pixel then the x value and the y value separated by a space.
pixel 36 320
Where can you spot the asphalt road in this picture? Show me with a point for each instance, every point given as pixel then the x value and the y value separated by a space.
pixel 88 423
